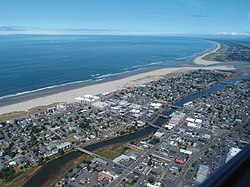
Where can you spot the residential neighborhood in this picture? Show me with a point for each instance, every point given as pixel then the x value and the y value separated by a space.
pixel 181 148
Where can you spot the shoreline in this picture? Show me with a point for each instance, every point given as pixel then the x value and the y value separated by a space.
pixel 41 92
pixel 69 95
pixel 200 61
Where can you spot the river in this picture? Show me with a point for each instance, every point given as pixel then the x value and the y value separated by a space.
pixel 52 168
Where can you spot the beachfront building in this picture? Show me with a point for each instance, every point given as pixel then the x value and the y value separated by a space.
pixel 61 107
pixel 79 100
pixel 87 99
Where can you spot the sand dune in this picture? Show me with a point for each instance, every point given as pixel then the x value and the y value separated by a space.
pixel 198 60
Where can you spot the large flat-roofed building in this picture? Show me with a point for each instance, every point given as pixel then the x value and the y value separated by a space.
pixel 232 152
pixel 202 173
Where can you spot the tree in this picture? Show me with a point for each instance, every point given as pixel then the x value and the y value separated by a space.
pixel 150 162
pixel 61 151
pixel 154 141
pixel 84 124
pixel 122 132
pixel 7 173
pixel 151 180
pixel 41 161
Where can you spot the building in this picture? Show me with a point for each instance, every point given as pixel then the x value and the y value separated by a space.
pixel 90 99
pixel 180 161
pixel 134 156
pixel 194 125
pixel 12 163
pixel 185 151
pixel 202 173
pixel 79 100
pixel 157 184
pixel 120 158
pixel 61 107
pixel 158 134
pixel 156 105
pixel 64 145
pixel 102 176
pixel 232 152
pixel 99 105
pixel 99 161
pixel 83 181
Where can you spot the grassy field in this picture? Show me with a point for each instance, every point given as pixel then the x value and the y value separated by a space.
pixel 112 151
pixel 213 56
pixel 20 179
pixel 12 115
pixel 19 114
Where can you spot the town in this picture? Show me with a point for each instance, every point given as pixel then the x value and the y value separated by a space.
pixel 187 144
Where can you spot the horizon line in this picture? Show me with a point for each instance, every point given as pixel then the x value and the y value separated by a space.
pixel 16 30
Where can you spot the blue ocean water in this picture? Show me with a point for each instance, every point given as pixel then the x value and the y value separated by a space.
pixel 37 62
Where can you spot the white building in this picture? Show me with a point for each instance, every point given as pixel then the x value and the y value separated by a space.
pixel 87 99
pixel 158 134
pixel 64 145
pixel 79 100
pixel 61 106
pixel 121 157
pixel 185 151
pixel 156 105
pixel 99 105
pixel 232 152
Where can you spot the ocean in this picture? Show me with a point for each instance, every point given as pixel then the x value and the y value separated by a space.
pixel 31 63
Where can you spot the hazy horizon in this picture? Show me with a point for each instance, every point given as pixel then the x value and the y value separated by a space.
pixel 118 16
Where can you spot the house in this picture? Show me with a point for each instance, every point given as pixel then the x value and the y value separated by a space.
pixel 90 99
pixel 121 157
pixel 99 105
pixel 156 105
pixel 99 161
pixel 134 156
pixel 180 161
pixel 64 145
pixel 158 134
pixel 102 176
pixel 185 151
pixel 79 100
pixel 61 106
pixel 83 181
pixel 12 163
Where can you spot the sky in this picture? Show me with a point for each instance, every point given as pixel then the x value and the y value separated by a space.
pixel 151 16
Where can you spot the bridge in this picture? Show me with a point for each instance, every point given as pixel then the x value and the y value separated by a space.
pixel 98 156
pixel 153 125
pixel 163 116
pixel 174 106
pixel 87 152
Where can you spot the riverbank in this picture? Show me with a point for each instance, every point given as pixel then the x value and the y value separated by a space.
pixel 69 96
pixel 202 60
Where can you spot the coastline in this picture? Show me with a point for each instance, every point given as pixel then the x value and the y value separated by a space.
pixel 69 96
pixel 200 61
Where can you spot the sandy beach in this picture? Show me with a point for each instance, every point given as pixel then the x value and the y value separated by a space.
pixel 70 95
pixel 199 61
